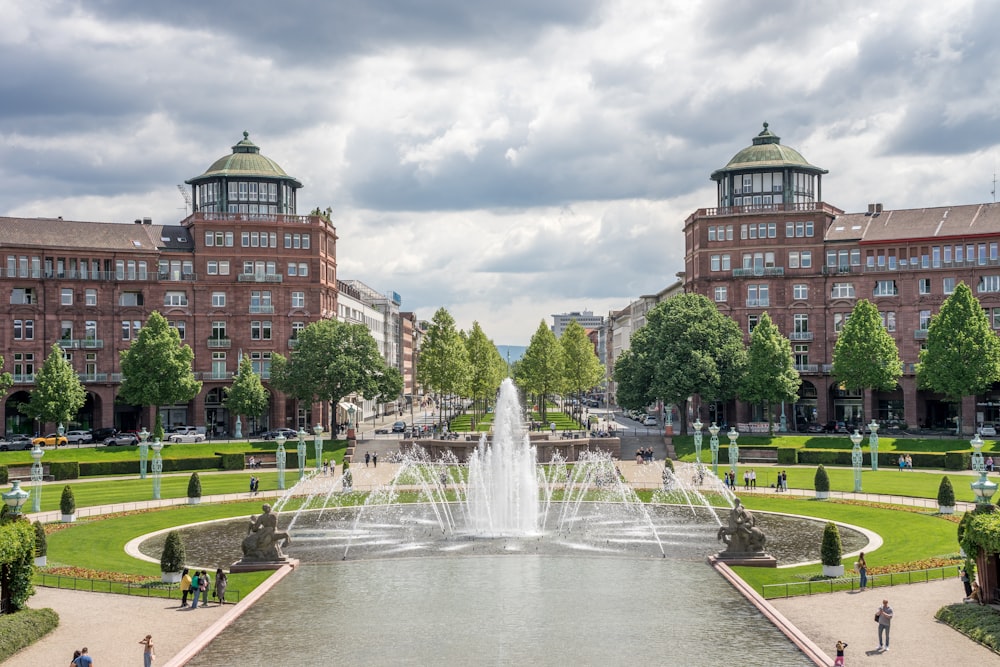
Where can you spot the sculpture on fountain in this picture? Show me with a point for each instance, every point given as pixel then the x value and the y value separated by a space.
pixel 743 539
pixel 262 544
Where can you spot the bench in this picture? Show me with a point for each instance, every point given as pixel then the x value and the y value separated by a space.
pixel 264 460
pixel 748 455
pixel 23 474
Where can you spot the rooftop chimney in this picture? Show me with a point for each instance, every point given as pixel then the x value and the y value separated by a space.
pixel 149 221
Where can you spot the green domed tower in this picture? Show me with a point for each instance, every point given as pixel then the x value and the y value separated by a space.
pixel 767 175
pixel 244 182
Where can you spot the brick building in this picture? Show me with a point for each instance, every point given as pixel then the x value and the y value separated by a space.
pixel 239 276
pixel 771 244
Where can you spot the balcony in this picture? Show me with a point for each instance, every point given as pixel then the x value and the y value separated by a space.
pixel 81 344
pixel 214 375
pixel 827 368
pixel 176 276
pixel 758 303
pixel 24 378
pixel 807 368
pixel 769 209
pixel 220 343
pixel 801 335
pixel 93 377
pixel 116 377
pixel 920 334
pixel 293 343
pixel 759 271
pixel 260 278
pixel 261 309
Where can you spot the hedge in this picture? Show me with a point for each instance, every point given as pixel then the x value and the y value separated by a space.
pixel 958 460
pixel 24 628
pixel 103 468
pixel 887 460
pixel 3 475
pixel 788 456
pixel 233 461
pixel 64 470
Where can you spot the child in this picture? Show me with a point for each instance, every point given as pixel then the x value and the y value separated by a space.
pixel 839 662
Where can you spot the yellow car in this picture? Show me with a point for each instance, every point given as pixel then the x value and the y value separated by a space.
pixel 50 439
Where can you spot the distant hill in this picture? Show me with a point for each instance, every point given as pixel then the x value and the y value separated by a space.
pixel 515 352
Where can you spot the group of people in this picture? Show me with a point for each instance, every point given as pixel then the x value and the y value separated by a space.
pixel 905 462
pixel 371 457
pixel 973 593
pixel 644 455
pixel 254 485
pixel 199 584
pixel 749 479
pixel 781 484
pixel 253 462
pixel 81 658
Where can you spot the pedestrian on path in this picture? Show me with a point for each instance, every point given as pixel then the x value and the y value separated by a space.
pixel 375 460
pixel 84 659
pixel 963 574
pixel 196 589
pixel 862 567
pixel 204 585
pixel 884 618
pixel 368 458
pixel 185 587
pixel 839 662
pixel 147 651
pixel 221 581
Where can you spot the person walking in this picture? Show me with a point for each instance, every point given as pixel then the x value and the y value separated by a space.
pixel 196 589
pixel 204 585
pixel 84 659
pixel 963 574
pixel 147 651
pixel 368 458
pixel 862 566
pixel 375 459
pixel 884 618
pixel 221 581
pixel 185 587
pixel 753 479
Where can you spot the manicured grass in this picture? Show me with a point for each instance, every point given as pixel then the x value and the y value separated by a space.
pixel 981 623
pixel 908 536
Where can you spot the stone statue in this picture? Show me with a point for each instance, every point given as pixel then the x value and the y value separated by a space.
pixel 263 540
pixel 742 537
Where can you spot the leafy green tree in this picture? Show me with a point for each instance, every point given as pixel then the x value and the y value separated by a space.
pixel 487 368
pixel 6 379
pixel 582 369
pixel 156 368
pixel 770 376
pixel 332 361
pixel 172 557
pixel 689 348
pixel 633 374
pixel 444 359
pixel 831 551
pixel 58 394
pixel 962 356
pixel 541 369
pixel 865 357
pixel 247 396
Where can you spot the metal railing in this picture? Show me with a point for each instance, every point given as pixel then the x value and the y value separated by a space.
pixel 797 588
pixel 148 589
pixel 220 343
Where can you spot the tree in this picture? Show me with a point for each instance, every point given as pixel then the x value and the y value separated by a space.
pixel 67 502
pixel 486 368
pixel 444 359
pixel 831 552
pixel 247 396
pixel 946 493
pixel 688 348
pixel 194 486
pixel 156 368
pixel 865 357
pixel 541 369
pixel 770 376
pixel 332 361
pixel 581 367
pixel 821 480
pixel 6 379
pixel 172 557
pixel 962 356
pixel 58 394
pixel 633 374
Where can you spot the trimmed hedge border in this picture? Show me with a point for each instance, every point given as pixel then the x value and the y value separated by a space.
pixel 24 628
pixel 977 622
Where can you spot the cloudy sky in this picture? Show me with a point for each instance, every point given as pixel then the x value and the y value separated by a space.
pixel 505 160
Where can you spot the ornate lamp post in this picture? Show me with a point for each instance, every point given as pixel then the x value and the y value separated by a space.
pixel 669 412
pixel 15 498
pixel 157 468
pixel 856 458
pixel 238 428
pixel 982 487
pixel 143 452
pixel 302 452
pixel 713 444
pixel 36 477
pixel 279 458
pixel 60 431
pixel 318 444
pixel 873 444
pixel 734 450
pixel 697 439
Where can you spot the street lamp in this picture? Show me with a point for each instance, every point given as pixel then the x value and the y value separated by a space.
pixel 734 450
pixel 856 457
pixel 279 458
pixel 713 444
pixel 143 452
pixel 982 487
pixel 873 444
pixel 697 439
pixel 318 444
pixel 59 434
pixel 15 497
pixel 157 468
pixel 301 449
pixel 36 477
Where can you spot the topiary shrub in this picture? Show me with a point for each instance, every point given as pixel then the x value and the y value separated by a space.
pixel 67 503
pixel 946 494
pixel 822 480
pixel 41 544
pixel 172 556
pixel 194 486
pixel 831 552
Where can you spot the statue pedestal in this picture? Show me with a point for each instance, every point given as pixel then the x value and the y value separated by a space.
pixel 750 559
pixel 352 444
pixel 244 565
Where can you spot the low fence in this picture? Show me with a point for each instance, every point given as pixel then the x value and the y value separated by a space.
pixel 797 588
pixel 149 589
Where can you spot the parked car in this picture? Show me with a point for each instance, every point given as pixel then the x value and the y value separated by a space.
pixel 182 430
pixel 814 427
pixel 649 420
pixel 15 443
pixel 399 427
pixel 50 439
pixel 835 427
pixel 122 439
pixel 289 434
pixel 78 437
pixel 102 434
pixel 185 437
pixel 988 430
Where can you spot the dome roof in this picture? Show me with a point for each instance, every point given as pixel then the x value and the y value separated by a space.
pixel 245 161
pixel 767 153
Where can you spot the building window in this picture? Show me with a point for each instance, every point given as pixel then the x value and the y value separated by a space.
pixel 793 259
pixel 260 302
pixel 66 330
pixel 711 232
pixel 297 328
pixel 66 298
pixel 181 328
pixel 948 285
pixel 175 299
pixel 752 322
pixel 888 288
pixel 24 329
pixel 303 269
pixel 996 318
pixel 721 293
pixel 801 355
pixel 889 321
pixel 130 299
pixel 218 299
pixel 800 323
pixel 219 331
pixel 839 320
pixel 24 364
pixel 293 268
pixel 924 321
pixel 90 297
pixel 842 291
pixel 757 296
pixel 219 365
pixel 298 299
pixel 989 284
pixel 924 286
pixel 90 330
pixel 260 330
pixel 261 362
pixel 800 292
